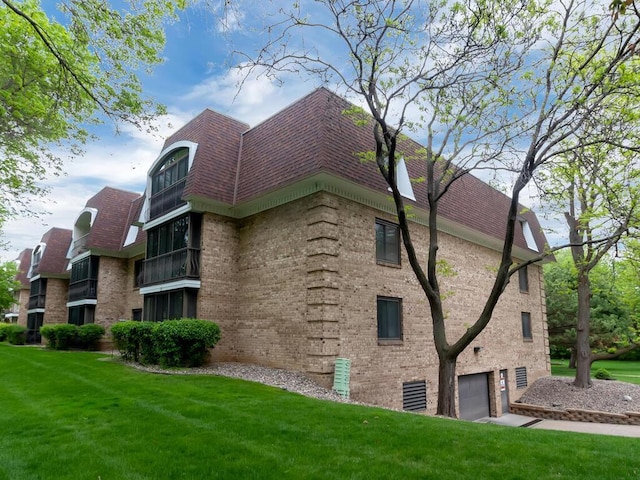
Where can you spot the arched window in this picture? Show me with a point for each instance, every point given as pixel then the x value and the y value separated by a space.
pixel 167 182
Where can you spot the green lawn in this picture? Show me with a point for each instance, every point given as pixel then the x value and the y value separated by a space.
pixel 72 415
pixel 623 371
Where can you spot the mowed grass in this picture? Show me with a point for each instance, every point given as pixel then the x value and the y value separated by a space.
pixel 73 415
pixel 625 371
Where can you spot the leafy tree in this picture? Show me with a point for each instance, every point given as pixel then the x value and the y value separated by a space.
pixel 613 323
pixel 60 71
pixel 485 99
pixel 8 284
pixel 595 185
pixel 562 304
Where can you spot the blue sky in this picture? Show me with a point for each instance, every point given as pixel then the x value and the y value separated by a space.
pixel 196 75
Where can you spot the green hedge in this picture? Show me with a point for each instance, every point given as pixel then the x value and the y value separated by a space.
pixel 134 340
pixel 89 335
pixel 173 343
pixel 16 334
pixel 66 335
pixel 4 331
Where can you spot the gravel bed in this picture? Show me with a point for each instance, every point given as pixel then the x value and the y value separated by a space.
pixel 284 379
pixel 551 392
pixel 603 396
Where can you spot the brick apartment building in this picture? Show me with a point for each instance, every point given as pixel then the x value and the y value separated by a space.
pixel 284 238
pixel 17 313
pixel 49 282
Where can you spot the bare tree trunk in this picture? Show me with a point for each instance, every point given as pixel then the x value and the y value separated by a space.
pixel 572 359
pixel 447 387
pixel 583 347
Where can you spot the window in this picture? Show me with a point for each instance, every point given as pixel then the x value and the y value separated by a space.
pixel 389 318
pixel 84 279
pixel 168 181
pixel 136 314
pixel 526 326
pixel 521 377
pixel 170 305
pixel 34 322
pixel 414 396
pixel 523 279
pixel 38 293
pixel 81 314
pixel 138 273
pixel 173 250
pixel 387 242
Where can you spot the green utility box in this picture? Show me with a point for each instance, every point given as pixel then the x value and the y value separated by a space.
pixel 341 376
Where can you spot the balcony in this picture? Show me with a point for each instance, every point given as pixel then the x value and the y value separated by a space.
pixel 179 264
pixel 83 290
pixel 167 199
pixel 36 301
pixel 79 245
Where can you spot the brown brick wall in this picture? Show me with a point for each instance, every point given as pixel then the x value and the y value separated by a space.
pixel 23 306
pixel 295 287
pixel 378 370
pixel 270 303
pixel 575 415
pixel 56 301
pixel 218 295
pixel 133 299
pixel 113 291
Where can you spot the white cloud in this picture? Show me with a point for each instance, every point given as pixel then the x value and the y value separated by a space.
pixel 251 99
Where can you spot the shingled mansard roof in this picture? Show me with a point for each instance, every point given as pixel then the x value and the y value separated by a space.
pixel 104 225
pixel 311 142
pixel 53 262
pixel 24 264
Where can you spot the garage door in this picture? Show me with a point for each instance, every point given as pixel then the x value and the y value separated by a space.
pixel 473 391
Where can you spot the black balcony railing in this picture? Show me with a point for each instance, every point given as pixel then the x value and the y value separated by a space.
pixel 183 263
pixel 167 199
pixel 80 245
pixel 36 301
pixel 82 290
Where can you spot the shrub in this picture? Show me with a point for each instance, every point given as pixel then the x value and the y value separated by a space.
pixel 603 374
pixel 89 335
pixel 134 340
pixel 558 351
pixel 184 343
pixel 16 334
pixel 633 355
pixel 4 331
pixel 173 343
pixel 60 337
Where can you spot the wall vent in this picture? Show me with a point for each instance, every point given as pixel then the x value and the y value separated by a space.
pixel 414 396
pixel 521 377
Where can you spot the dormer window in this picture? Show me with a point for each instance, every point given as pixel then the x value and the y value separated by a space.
pixel 167 182
pixel 402 179
pixel 36 257
pixel 528 236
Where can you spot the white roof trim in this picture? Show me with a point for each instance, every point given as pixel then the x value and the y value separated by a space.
pixel 165 287
pixel 78 303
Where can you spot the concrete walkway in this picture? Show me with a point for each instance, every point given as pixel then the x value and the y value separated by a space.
pixel 588 427
pixel 512 420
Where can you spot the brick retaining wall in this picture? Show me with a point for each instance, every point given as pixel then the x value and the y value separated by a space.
pixel 575 415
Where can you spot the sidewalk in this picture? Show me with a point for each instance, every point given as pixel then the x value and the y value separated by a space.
pixel 512 420
pixel 586 427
